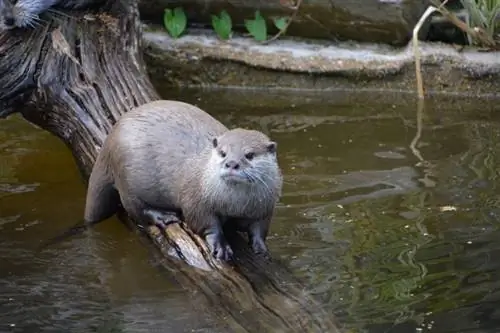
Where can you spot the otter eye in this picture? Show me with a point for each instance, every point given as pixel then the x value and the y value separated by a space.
pixel 249 156
pixel 222 153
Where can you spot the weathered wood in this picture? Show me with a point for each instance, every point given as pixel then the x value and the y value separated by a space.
pixel 74 77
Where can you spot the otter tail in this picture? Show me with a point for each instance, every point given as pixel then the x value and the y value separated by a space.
pixel 76 229
pixel 101 203
pixel 103 198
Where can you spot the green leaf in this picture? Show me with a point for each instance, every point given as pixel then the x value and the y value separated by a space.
pixel 222 25
pixel 280 23
pixel 175 21
pixel 257 27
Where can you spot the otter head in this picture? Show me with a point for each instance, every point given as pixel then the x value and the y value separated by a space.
pixel 22 13
pixel 7 15
pixel 244 156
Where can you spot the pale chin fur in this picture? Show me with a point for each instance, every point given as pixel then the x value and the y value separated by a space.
pixel 233 177
pixel 235 197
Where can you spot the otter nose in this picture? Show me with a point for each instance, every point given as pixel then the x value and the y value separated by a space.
pixel 9 21
pixel 232 165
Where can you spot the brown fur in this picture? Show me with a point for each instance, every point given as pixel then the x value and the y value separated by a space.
pixel 166 155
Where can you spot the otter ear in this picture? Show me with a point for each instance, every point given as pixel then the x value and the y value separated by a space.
pixel 272 146
pixel 214 142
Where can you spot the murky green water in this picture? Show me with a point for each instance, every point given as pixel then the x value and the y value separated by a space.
pixel 389 242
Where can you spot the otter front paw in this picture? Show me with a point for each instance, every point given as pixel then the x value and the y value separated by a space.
pixel 219 248
pixel 222 252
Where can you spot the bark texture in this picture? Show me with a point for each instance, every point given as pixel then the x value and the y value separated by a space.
pixel 74 76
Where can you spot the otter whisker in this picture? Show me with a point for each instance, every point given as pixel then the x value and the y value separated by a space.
pixel 38 19
pixel 265 179
pixel 255 177
pixel 248 176
pixel 35 23
pixel 31 24
pixel 56 12
pixel 31 20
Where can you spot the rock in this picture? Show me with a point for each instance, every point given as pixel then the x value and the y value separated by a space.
pixel 378 21
pixel 200 59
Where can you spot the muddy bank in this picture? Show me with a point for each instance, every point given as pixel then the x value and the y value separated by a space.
pixel 200 59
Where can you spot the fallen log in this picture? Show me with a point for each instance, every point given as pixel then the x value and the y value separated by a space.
pixel 74 76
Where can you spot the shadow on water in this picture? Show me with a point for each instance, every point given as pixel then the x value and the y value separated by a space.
pixel 389 242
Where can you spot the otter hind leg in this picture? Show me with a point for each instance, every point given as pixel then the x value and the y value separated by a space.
pixel 144 214
pixel 162 218
pixel 103 199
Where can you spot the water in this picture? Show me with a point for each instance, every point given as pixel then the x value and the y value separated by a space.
pixel 391 242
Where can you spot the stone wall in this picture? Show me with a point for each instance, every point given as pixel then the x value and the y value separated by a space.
pixel 377 21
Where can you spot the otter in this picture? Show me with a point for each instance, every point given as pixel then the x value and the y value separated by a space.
pixel 26 13
pixel 174 157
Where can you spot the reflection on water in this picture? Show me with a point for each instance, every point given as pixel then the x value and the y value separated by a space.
pixel 388 242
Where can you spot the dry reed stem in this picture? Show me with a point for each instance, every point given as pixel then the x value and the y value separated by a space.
pixel 416 51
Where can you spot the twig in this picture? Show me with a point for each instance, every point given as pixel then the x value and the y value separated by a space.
pixel 292 17
pixel 312 19
pixel 60 44
pixel 418 134
pixel 416 51
pixel 426 165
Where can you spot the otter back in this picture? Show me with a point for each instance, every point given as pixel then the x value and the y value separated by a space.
pixel 150 146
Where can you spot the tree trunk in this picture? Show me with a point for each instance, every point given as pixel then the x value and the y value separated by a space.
pixel 74 76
